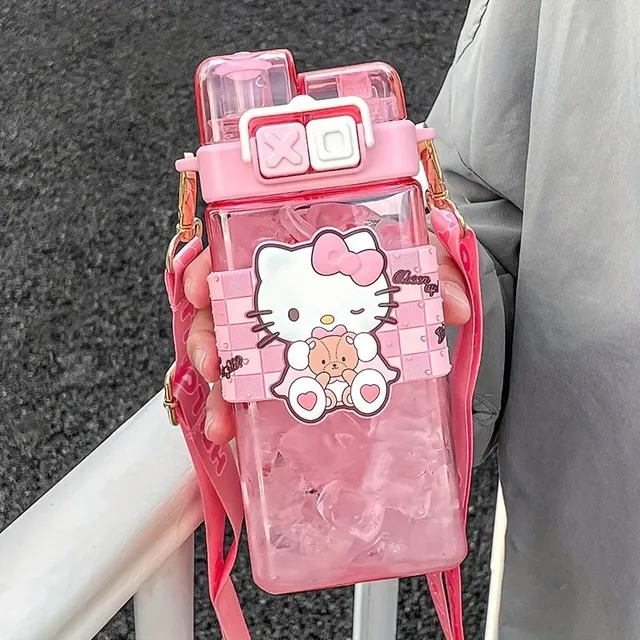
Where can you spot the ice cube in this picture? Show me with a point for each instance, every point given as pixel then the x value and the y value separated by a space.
pixel 284 494
pixel 268 421
pixel 351 509
pixel 402 472
pixel 391 543
pixel 335 449
pixel 412 406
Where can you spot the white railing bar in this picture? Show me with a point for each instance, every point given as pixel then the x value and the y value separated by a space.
pixel 72 560
pixel 163 606
pixel 375 610
pixel 497 568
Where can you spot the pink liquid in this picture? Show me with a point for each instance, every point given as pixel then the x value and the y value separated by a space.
pixel 349 499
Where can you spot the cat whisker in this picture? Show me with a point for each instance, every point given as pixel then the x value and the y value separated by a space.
pixel 387 290
pixel 390 305
pixel 254 313
pixel 263 325
pixel 263 342
pixel 386 319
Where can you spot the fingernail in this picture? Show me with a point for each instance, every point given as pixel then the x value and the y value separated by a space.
pixel 209 426
pixel 188 286
pixel 199 359
pixel 457 294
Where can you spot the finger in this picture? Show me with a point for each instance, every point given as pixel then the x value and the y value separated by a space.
pixel 195 281
pixel 219 426
pixel 201 346
pixel 457 309
pixel 444 258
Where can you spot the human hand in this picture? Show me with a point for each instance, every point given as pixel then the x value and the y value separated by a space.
pixel 201 344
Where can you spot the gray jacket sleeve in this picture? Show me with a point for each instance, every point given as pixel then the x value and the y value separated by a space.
pixel 481 117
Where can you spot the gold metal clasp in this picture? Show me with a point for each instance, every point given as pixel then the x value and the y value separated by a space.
pixel 170 403
pixel 437 194
pixel 189 226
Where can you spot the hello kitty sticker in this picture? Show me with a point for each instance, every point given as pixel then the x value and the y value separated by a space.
pixel 330 324
pixel 325 299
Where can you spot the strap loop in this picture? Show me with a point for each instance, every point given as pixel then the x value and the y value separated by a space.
pixel 437 195
pixel 189 226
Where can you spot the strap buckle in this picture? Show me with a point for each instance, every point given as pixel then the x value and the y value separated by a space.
pixel 189 226
pixel 170 402
pixel 437 195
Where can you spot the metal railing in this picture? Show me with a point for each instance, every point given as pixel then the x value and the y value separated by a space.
pixel 120 525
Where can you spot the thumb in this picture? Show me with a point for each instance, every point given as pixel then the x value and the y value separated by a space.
pixel 457 309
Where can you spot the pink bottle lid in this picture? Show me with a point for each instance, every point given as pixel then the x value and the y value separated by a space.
pixel 227 86
pixel 376 83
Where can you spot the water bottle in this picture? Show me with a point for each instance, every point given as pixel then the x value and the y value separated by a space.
pixel 328 320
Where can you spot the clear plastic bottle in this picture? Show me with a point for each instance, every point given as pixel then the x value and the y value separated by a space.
pixel 329 322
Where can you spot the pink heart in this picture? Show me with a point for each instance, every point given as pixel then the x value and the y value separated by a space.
pixel 444 236
pixel 370 392
pixel 307 400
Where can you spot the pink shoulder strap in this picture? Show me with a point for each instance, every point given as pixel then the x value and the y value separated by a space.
pixel 460 241
pixel 185 397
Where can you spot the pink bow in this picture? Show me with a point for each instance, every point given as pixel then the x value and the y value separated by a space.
pixel 331 255
pixel 321 332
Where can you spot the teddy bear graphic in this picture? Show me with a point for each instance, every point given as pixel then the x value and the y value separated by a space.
pixel 333 361
pixel 334 370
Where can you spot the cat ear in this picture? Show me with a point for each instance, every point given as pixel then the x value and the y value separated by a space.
pixel 349 337
pixel 270 259
pixel 360 241
pixel 312 343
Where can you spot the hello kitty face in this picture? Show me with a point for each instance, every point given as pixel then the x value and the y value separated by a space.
pixel 335 282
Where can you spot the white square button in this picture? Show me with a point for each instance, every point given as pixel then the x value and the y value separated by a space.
pixel 333 143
